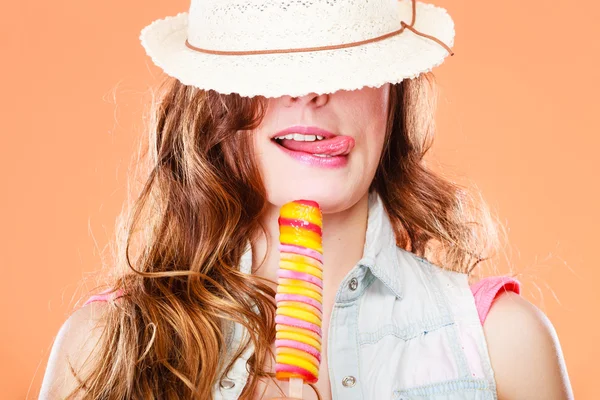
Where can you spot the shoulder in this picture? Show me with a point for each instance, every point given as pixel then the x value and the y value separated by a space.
pixel 73 345
pixel 524 350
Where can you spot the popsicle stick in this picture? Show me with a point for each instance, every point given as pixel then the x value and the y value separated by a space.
pixel 295 388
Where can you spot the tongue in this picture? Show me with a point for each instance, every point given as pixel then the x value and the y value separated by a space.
pixel 337 146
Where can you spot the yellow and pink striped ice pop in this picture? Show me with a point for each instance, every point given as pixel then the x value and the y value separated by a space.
pixel 299 293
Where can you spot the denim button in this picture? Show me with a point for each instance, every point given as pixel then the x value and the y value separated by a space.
pixel 353 284
pixel 227 384
pixel 349 381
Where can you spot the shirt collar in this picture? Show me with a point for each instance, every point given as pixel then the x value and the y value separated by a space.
pixel 379 252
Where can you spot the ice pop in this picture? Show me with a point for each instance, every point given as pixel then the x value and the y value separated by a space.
pixel 299 293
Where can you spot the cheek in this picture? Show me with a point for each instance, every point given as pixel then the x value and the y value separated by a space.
pixel 373 149
pixel 265 155
pixel 374 138
pixel 260 153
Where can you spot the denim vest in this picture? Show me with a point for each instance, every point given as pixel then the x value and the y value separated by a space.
pixel 401 328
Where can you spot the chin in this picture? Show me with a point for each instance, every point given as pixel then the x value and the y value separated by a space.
pixel 331 198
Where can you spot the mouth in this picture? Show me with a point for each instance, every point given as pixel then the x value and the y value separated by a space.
pixel 312 150
pixel 333 147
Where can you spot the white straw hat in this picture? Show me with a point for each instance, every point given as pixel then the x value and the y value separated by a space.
pixel 294 47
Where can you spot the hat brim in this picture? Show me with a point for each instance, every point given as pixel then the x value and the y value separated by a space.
pixel 272 75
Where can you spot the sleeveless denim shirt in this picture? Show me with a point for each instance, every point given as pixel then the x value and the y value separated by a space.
pixel 401 328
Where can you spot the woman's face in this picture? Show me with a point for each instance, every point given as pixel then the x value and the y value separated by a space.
pixel 357 122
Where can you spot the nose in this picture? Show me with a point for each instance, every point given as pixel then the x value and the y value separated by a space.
pixel 308 99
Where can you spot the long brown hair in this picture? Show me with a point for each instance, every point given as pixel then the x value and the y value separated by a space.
pixel 202 199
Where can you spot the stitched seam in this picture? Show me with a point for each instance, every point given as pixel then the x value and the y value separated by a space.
pixel 457 385
pixel 332 377
pixel 406 334
pixel 357 351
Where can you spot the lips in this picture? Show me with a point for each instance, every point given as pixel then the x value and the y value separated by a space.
pixel 336 146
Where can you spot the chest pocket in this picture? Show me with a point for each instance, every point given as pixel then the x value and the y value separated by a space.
pixel 411 349
pixel 457 389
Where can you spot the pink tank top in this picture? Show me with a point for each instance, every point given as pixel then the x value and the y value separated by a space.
pixel 484 292
pixel 488 289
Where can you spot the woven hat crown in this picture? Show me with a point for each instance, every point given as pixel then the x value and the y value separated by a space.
pixel 237 25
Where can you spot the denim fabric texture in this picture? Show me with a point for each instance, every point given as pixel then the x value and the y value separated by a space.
pixel 401 328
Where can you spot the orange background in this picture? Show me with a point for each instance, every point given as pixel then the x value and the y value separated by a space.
pixel 518 117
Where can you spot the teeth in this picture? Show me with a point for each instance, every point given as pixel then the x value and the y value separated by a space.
pixel 304 138
pixel 322 155
pixel 301 137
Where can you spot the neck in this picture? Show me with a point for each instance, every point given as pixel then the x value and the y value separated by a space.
pixel 343 243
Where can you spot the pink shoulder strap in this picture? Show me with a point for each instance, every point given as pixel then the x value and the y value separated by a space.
pixel 487 289
pixel 104 296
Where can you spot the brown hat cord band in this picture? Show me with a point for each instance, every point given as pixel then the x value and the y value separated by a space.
pixel 333 47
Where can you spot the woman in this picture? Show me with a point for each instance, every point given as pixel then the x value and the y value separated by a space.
pixel 246 124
